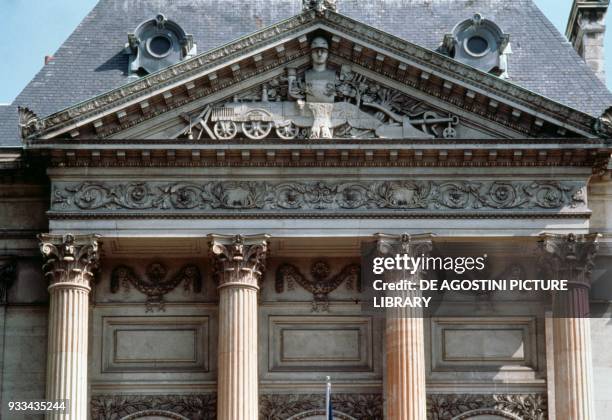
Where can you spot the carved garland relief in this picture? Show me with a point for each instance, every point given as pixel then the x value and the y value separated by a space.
pixel 156 284
pixel 321 283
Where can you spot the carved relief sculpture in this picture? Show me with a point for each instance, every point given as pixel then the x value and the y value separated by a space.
pixel 320 284
pixel 320 195
pixel 321 103
pixel 284 406
pixel 466 406
pixel 115 407
pixel 155 285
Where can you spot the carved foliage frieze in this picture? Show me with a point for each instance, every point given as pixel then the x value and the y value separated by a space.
pixel 116 407
pixel 283 406
pixel 320 283
pixel 156 284
pixel 451 406
pixel 318 196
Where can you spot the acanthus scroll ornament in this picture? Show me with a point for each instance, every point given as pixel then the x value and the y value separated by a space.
pixel 284 406
pixel 320 284
pixel 70 258
pixel 155 286
pixel 465 406
pixel 320 195
pixel 191 406
pixel 570 257
pixel 239 259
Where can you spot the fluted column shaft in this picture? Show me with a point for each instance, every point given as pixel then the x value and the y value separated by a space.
pixel 405 389
pixel 69 263
pixel 239 264
pixel 570 257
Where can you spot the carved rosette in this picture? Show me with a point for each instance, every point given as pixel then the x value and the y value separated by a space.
pixel 70 259
pixel 318 196
pixel 239 260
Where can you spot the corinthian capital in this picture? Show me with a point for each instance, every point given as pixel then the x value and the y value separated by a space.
pixel 413 245
pixel 69 258
pixel 570 257
pixel 238 259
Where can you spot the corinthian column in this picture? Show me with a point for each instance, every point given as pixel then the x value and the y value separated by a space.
pixel 405 393
pixel 239 262
pixel 571 257
pixel 69 263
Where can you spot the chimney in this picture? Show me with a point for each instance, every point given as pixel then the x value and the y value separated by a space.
pixel 48 58
pixel 585 30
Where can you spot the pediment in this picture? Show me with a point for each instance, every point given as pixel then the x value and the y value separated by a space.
pixel 256 87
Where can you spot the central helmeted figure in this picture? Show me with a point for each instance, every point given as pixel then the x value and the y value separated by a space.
pixel 320 89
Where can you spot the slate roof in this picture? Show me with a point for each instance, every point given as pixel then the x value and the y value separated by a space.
pixel 91 61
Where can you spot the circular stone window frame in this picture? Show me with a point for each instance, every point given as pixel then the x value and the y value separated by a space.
pixel 466 44
pixel 488 38
pixel 159 35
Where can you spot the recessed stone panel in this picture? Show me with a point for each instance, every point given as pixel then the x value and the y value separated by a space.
pixel 155 344
pixel 486 344
pixel 482 344
pixel 320 343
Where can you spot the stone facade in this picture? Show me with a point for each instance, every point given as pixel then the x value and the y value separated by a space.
pixel 192 246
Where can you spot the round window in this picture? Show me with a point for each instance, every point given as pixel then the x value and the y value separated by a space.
pixel 159 46
pixel 477 45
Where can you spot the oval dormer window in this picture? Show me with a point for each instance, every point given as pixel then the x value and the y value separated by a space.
pixel 159 46
pixel 477 45
pixel 156 44
pixel 480 43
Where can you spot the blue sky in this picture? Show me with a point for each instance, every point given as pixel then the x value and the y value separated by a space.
pixel 50 22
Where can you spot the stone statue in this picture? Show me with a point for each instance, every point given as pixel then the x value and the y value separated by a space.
pixel 319 5
pixel 320 90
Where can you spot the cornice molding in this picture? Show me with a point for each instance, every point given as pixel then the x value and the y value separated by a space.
pixel 331 153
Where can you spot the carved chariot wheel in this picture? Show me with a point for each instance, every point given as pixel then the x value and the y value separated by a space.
pixel 225 130
pixel 287 132
pixel 256 130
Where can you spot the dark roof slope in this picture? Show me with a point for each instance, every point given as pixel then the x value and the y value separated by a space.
pixel 92 61
pixel 9 129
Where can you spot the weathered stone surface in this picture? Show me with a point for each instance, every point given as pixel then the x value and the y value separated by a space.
pixel 319 196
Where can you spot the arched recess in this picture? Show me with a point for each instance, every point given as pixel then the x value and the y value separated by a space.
pixel 154 415
pixel 486 414
pixel 320 415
